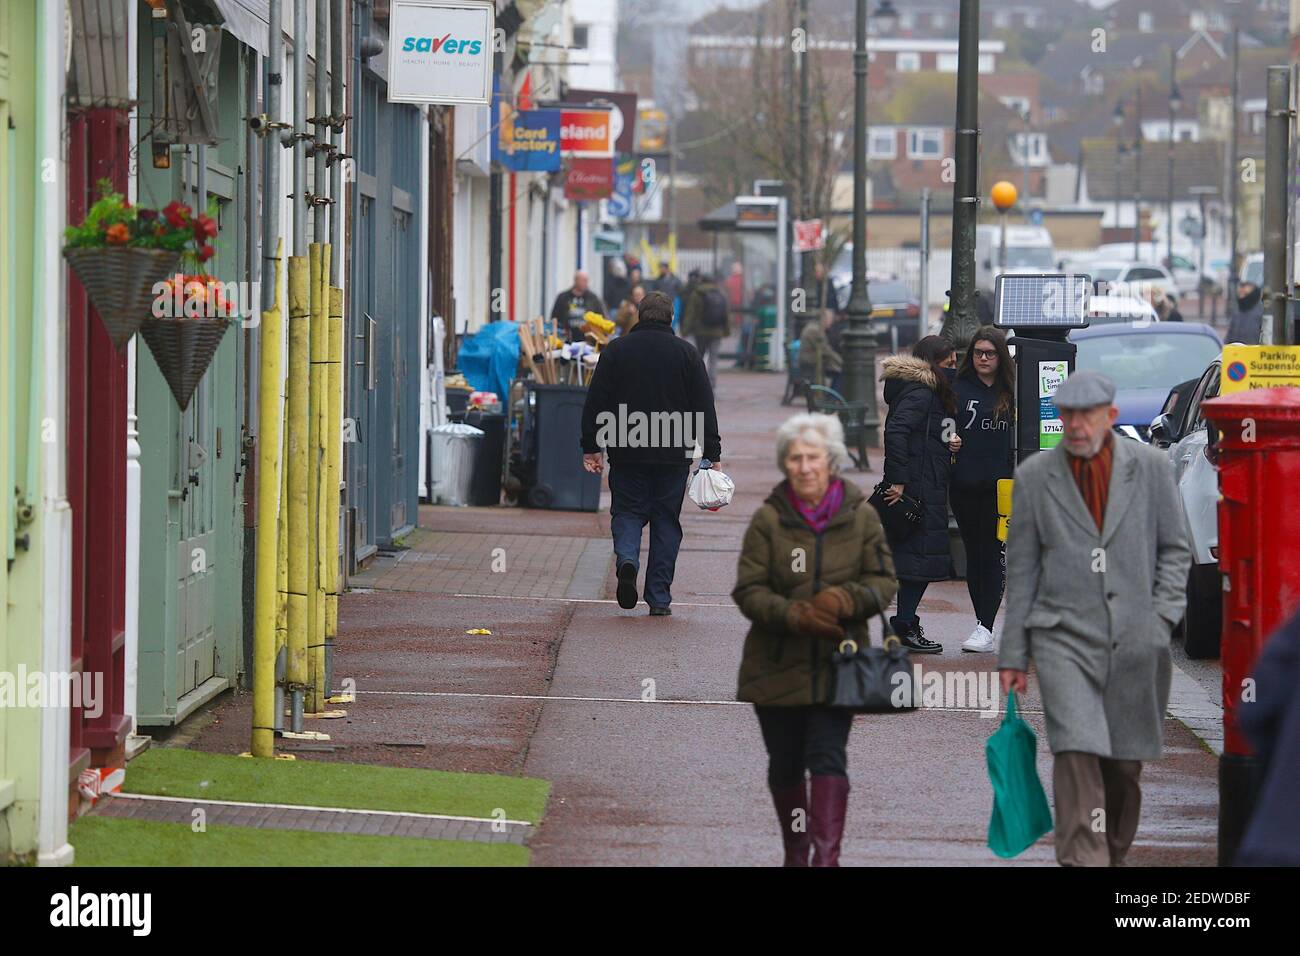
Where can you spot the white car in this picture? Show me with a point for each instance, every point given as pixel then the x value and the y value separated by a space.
pixel 1183 431
pixel 1120 308
pixel 1136 279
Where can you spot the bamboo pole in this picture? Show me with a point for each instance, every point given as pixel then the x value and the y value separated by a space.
pixel 298 571
pixel 268 546
pixel 334 463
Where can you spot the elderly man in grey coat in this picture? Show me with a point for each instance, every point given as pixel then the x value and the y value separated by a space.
pixel 1097 561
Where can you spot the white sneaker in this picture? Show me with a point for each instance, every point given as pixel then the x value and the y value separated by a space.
pixel 980 641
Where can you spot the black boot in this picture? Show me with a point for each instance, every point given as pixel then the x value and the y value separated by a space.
pixel 913 637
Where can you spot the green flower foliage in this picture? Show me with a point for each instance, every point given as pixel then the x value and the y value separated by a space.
pixel 112 221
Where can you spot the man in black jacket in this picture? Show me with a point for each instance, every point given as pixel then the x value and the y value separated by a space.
pixel 648 406
pixel 573 304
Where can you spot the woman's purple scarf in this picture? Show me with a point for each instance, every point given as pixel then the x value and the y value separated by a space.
pixel 818 516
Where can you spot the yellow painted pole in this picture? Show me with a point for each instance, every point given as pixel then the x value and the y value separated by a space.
pixel 299 375
pixel 334 423
pixel 267 553
pixel 319 256
pixel 282 549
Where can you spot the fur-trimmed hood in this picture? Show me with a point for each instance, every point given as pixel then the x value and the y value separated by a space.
pixel 907 368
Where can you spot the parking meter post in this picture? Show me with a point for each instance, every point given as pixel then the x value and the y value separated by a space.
pixel 1040 361
pixel 1257 436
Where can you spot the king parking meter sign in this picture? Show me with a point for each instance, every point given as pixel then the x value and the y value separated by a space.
pixel 1051 375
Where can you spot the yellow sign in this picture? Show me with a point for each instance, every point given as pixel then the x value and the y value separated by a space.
pixel 1004 506
pixel 1258 366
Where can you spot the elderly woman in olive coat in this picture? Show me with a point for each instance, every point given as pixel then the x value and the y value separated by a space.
pixel 814 562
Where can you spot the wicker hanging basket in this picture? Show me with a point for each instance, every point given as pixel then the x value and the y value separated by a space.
pixel 183 349
pixel 120 282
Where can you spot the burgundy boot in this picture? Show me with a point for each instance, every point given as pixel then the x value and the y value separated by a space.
pixel 792 813
pixel 830 801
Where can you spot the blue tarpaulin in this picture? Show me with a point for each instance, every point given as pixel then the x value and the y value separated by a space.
pixel 489 357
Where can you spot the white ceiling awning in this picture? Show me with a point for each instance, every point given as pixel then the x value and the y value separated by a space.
pixel 249 21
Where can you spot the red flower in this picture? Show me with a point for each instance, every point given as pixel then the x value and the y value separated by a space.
pixel 176 213
pixel 206 253
pixel 148 215
pixel 205 227
pixel 118 235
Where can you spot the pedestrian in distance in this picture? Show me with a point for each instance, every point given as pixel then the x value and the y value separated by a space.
pixel 706 319
pixel 616 285
pixel 814 562
pixel 819 364
pixel 648 407
pixel 625 317
pixel 986 415
pixel 1097 560
pixel 1165 305
pixel 572 305
pixel 735 288
pixel 1247 324
pixel 666 282
pixel 920 441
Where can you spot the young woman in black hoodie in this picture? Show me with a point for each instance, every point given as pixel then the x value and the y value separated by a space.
pixel 986 403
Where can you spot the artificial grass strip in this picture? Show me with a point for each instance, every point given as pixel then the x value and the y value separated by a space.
pixel 169 772
pixel 111 841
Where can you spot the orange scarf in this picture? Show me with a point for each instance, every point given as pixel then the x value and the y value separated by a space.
pixel 1092 475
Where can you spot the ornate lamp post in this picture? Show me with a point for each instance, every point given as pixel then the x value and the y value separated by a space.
pixel 963 313
pixel 859 340
pixel 1175 103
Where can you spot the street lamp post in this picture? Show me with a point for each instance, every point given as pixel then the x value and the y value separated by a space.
pixel 1175 102
pixel 963 315
pixel 1117 118
pixel 1137 179
pixel 859 339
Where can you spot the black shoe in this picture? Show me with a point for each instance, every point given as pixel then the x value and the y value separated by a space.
pixel 661 612
pixel 627 585
pixel 913 638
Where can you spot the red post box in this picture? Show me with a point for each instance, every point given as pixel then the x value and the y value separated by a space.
pixel 1259 552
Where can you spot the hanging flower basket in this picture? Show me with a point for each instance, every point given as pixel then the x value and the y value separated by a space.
pixel 183 349
pixel 120 282
pixel 121 252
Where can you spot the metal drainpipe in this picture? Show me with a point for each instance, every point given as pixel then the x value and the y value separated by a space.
pixel 299 128
pixel 1276 147
pixel 271 189
pixel 319 200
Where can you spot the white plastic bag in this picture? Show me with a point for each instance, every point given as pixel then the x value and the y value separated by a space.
pixel 711 489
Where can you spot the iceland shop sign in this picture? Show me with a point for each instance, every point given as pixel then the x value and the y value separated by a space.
pixel 441 51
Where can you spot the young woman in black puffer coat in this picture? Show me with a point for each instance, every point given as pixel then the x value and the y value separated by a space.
pixel 920 442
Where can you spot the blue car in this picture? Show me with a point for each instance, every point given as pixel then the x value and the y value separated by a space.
pixel 1145 360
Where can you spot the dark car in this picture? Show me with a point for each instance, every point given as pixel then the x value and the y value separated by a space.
pixel 1145 360
pixel 894 313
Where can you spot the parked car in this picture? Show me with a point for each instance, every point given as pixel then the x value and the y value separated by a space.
pixel 1193 450
pixel 1136 279
pixel 1145 360
pixel 894 313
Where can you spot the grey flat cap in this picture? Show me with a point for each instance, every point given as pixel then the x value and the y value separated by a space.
pixel 1086 388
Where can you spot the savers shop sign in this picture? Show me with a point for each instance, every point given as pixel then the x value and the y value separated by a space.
pixel 440 51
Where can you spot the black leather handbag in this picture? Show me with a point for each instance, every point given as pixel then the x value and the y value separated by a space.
pixel 899 519
pixel 904 516
pixel 872 680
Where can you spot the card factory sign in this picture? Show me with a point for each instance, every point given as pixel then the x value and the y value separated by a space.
pixel 441 51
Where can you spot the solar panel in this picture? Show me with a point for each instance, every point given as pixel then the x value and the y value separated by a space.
pixel 1041 301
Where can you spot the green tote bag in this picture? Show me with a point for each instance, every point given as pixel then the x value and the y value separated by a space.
pixel 1020 811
